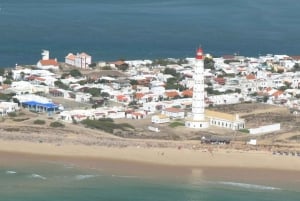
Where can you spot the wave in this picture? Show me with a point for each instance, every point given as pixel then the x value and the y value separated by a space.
pixel 248 186
pixel 125 176
pixel 10 172
pixel 37 176
pixel 70 166
pixel 82 177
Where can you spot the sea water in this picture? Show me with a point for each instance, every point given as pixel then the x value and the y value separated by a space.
pixel 143 29
pixel 61 181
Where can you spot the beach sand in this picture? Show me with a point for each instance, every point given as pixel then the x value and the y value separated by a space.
pixel 218 157
pixel 260 167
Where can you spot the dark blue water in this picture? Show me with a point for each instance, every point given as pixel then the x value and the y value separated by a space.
pixel 140 29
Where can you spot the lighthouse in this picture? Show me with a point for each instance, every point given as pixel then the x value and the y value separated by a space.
pixel 197 117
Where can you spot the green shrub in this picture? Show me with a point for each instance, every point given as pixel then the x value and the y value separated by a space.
pixel 39 122
pixel 295 137
pixel 176 124
pixel 57 124
pixel 12 114
pixel 105 124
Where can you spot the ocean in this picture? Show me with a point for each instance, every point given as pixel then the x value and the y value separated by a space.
pixel 36 179
pixel 130 29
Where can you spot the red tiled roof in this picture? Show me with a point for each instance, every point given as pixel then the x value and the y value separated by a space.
pixel 136 114
pixel 40 79
pixel 49 62
pixel 139 95
pixel 173 110
pixel 171 94
pixel 79 116
pixel 31 77
pixel 121 98
pixel 277 93
pixel 228 56
pixel 250 77
pixel 220 80
pixel 188 93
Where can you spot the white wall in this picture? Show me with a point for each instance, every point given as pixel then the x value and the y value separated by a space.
pixel 265 129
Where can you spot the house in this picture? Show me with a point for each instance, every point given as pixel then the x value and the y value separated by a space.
pixel 7 107
pixel 151 107
pixel 75 115
pixel 160 119
pixel 70 59
pixel 21 87
pixel 46 63
pixel 49 81
pixel 115 114
pixel 82 60
pixel 136 115
pixel 173 113
pixel 82 97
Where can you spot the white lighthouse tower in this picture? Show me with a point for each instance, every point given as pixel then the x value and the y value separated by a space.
pixel 197 118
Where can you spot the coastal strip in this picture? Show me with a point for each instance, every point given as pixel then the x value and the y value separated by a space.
pixel 181 157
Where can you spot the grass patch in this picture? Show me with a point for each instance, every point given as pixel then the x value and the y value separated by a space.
pixel 176 124
pixel 244 130
pixel 39 122
pixel 11 129
pixel 106 124
pixel 57 124
pixel 20 119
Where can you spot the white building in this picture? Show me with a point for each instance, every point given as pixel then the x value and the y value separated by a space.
pixel 220 119
pixel 7 107
pixel 46 63
pixel 173 113
pixel 160 119
pixel 82 60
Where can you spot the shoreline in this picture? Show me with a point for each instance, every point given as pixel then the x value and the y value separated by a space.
pixel 254 167
pixel 169 156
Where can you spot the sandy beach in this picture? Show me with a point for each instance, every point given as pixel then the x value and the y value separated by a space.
pixel 162 156
pixel 220 164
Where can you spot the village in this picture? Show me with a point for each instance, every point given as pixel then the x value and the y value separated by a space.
pixel 252 100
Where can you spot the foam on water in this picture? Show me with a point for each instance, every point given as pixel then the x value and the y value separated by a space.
pixel 125 176
pixel 82 177
pixel 248 186
pixel 37 176
pixel 10 172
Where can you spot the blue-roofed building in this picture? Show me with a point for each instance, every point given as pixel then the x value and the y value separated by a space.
pixel 40 106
